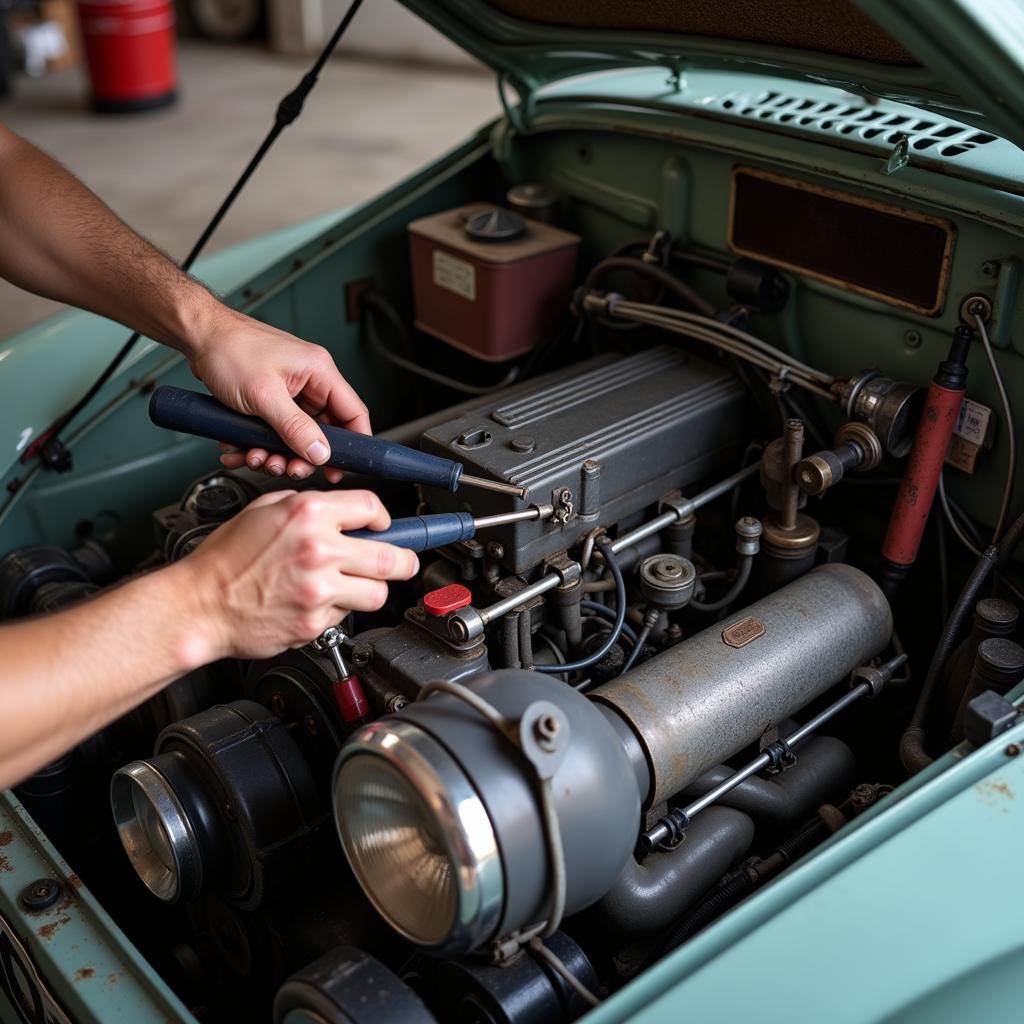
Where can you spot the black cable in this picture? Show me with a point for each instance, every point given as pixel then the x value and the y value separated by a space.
pixel 620 619
pixel 48 445
pixel 723 898
pixel 912 753
pixel 682 291
pixel 375 304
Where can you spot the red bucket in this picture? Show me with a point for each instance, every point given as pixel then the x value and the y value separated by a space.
pixel 129 46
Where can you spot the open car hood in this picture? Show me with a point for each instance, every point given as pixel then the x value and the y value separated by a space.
pixel 960 58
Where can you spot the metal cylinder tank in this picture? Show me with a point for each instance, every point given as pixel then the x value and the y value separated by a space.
pixel 707 698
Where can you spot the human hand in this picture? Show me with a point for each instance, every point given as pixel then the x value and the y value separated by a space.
pixel 290 383
pixel 281 571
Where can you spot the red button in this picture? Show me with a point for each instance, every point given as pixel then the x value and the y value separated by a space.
pixel 447 599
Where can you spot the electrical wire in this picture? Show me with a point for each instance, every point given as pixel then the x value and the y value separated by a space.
pixel 959 523
pixel 373 303
pixel 620 619
pixel 1011 438
pixel 638 647
pixel 602 611
pixel 287 111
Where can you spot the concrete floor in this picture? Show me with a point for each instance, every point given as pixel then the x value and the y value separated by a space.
pixel 366 126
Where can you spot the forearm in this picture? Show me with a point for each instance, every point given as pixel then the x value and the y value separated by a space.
pixel 68 675
pixel 59 240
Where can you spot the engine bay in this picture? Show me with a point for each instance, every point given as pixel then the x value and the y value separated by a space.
pixel 766 441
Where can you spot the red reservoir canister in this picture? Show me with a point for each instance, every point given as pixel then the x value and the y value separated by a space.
pixel 130 50
pixel 488 281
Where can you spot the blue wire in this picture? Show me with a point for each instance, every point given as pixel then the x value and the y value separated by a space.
pixel 604 612
pixel 620 620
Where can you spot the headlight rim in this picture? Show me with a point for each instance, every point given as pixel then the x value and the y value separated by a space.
pixel 441 784
pixel 186 880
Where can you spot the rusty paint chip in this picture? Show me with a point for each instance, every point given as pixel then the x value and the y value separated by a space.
pixel 6 838
pixel 84 973
pixel 741 633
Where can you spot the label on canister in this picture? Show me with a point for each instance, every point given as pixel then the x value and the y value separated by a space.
pixel 456 275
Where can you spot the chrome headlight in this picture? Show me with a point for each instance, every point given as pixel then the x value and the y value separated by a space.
pixel 418 837
pixel 441 820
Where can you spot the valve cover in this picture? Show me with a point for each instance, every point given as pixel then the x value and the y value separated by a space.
pixel 601 441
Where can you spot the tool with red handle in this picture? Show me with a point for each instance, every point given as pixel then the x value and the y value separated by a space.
pixel 927 456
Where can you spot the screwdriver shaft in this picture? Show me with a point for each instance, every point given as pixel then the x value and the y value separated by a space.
pixel 533 512
pixel 483 484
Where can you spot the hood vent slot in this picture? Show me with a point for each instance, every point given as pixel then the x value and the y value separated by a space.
pixel 856 120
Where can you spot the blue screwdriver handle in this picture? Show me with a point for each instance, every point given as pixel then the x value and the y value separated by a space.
pixel 194 413
pixel 421 533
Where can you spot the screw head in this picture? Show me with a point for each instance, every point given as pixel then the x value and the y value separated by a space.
pixel 668 570
pixel 277 704
pixel 495 549
pixel 1013 750
pixel 912 339
pixel 990 268
pixel 310 724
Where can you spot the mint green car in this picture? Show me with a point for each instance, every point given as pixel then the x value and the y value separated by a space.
pixel 779 359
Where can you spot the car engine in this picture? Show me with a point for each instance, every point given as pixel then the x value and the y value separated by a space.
pixel 577 739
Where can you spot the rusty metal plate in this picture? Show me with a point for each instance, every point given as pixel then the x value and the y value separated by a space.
pixel 744 632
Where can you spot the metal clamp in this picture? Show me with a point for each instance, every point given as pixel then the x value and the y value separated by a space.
pixel 780 757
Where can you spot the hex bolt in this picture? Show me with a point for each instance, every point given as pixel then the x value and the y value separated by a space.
pixel 395 703
pixel 546 729
pixel 495 549
pixel 40 894
pixel 457 630
pixel 277 704
pixel 1013 750
pixel 310 723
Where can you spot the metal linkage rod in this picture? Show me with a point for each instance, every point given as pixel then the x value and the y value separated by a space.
pixel 684 507
pixel 673 824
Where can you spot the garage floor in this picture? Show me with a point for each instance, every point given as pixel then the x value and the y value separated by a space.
pixel 366 126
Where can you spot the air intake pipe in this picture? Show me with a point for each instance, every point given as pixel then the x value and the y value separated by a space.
pixel 441 808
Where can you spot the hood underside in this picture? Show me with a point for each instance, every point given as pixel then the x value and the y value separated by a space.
pixel 961 58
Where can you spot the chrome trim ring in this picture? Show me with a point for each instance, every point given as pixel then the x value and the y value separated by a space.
pixel 462 820
pixel 182 882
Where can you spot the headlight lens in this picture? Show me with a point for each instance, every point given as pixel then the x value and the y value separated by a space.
pixel 418 837
pixel 155 832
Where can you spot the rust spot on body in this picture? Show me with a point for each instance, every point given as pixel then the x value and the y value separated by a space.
pixel 5 864
pixel 75 882
pixel 47 931
pixel 84 973
pixel 112 978
pixel 995 794
pixel 6 838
